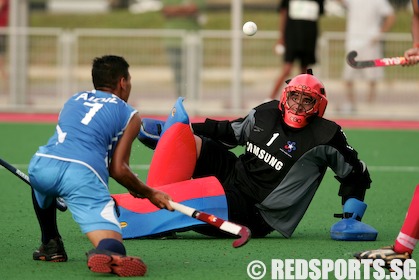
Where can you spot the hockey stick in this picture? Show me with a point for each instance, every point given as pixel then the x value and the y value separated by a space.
pixel 379 62
pixel 223 225
pixel 25 178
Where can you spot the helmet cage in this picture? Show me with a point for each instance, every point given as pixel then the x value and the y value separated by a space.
pixel 298 113
pixel 299 101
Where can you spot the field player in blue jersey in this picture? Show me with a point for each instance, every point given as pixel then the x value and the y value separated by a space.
pixel 92 141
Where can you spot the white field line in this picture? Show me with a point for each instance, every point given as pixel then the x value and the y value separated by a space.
pixel 407 169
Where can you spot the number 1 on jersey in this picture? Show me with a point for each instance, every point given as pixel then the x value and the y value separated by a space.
pixel 274 136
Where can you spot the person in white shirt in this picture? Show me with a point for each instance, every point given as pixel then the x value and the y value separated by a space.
pixel 366 22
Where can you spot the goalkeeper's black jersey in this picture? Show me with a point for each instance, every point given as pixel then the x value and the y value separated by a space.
pixel 282 167
pixel 273 149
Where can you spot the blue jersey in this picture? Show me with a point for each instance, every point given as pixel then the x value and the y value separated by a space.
pixel 89 127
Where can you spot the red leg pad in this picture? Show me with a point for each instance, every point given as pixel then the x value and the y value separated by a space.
pixel 174 158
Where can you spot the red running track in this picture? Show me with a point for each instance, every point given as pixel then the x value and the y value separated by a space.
pixel 345 123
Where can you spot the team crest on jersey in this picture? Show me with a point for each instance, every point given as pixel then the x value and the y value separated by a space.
pixel 290 146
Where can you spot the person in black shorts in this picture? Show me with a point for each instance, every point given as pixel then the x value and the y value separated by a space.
pixel 298 26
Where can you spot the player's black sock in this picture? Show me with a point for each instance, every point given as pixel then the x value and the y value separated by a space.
pixel 47 220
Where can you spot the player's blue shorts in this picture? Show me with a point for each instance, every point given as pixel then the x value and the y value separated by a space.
pixel 87 198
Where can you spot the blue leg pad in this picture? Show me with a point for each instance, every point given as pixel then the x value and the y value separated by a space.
pixel 353 230
pixel 178 114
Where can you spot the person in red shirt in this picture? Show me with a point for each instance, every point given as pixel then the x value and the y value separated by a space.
pixel 406 240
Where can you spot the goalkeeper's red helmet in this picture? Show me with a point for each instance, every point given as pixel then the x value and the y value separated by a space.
pixel 303 98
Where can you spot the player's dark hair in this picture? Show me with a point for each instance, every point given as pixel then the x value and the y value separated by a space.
pixel 107 71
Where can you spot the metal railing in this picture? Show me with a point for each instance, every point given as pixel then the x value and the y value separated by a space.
pixel 57 64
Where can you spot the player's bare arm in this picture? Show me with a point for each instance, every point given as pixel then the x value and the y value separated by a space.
pixel 120 170
pixel 412 54
pixel 415 23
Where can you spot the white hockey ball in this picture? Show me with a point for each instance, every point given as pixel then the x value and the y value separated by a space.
pixel 250 28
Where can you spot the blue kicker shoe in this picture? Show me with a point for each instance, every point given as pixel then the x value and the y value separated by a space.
pixel 350 228
pixel 152 129
pixel 178 114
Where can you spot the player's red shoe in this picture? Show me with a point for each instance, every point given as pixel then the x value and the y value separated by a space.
pixel 102 261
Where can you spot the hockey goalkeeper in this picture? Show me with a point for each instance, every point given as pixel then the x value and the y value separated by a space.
pixel 288 148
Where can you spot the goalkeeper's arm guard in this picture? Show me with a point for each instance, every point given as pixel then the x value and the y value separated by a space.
pixel 220 131
pixel 355 183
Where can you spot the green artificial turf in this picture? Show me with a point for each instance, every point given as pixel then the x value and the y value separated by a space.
pixel 393 160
